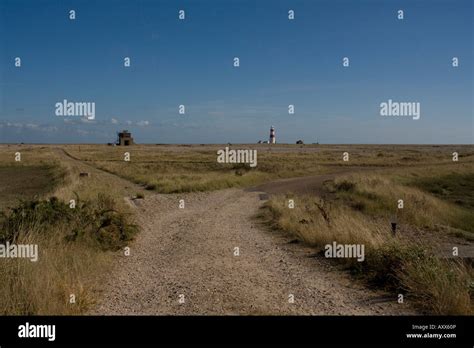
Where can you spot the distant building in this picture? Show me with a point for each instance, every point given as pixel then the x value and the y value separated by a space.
pixel 300 142
pixel 125 138
pixel 272 135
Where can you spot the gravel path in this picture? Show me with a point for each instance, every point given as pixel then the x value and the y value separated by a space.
pixel 190 252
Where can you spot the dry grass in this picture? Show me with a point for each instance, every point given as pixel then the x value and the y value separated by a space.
pixel 377 195
pixel 71 245
pixel 442 287
pixel 27 182
pixel 173 169
pixel 65 266
pixel 318 222
pixel 44 287
pixel 358 209
pixel 167 171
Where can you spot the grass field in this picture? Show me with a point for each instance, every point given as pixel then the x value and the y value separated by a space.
pixel 359 202
pixel 26 182
pixel 170 168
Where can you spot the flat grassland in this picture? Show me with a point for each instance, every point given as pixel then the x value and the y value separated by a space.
pixel 350 201
pixel 185 168
pixel 26 182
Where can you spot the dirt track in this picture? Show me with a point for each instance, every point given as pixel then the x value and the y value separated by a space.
pixel 190 251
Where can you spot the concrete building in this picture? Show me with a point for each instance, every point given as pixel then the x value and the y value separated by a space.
pixel 125 138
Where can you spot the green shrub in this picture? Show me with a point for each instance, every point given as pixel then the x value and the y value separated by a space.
pixel 345 186
pixel 383 265
pixel 96 220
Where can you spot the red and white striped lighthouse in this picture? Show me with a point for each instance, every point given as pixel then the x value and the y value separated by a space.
pixel 272 135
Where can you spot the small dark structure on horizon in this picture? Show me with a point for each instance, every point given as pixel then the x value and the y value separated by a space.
pixel 300 142
pixel 125 138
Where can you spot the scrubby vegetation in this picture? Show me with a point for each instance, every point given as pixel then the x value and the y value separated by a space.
pixel 358 209
pixel 71 244
pixel 75 245
pixel 95 222
pixel 377 195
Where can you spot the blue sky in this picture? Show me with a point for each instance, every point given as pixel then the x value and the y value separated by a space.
pixel 282 62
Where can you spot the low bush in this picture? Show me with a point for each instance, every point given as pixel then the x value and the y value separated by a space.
pixel 97 221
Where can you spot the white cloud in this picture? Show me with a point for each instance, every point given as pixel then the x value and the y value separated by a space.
pixel 86 120
pixel 143 123
pixel 83 132
pixel 30 126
